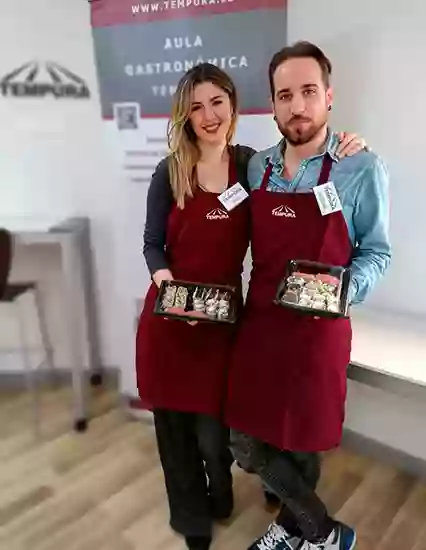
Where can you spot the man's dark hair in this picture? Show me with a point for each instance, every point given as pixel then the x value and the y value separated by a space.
pixel 298 50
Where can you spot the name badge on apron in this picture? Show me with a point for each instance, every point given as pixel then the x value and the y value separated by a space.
pixel 233 196
pixel 327 198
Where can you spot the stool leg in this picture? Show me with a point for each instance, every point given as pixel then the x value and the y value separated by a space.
pixel 44 333
pixel 30 373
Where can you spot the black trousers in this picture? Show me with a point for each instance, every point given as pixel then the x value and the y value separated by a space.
pixel 293 477
pixel 196 460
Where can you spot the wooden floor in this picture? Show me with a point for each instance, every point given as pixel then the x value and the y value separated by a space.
pixel 104 491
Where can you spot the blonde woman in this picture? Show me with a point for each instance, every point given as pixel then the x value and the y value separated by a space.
pixel 189 235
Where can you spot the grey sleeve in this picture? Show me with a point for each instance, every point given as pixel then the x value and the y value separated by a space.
pixel 158 206
pixel 243 155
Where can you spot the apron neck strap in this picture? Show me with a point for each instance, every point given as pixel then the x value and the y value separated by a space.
pixel 266 176
pixel 327 164
pixel 232 169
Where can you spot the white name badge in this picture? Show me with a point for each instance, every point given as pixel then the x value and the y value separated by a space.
pixel 233 196
pixel 327 198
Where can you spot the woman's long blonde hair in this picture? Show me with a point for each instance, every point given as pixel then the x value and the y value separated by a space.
pixel 184 152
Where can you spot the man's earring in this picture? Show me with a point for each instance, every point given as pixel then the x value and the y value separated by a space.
pixel 329 107
pixel 275 118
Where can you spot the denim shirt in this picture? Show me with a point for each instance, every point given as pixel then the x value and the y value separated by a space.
pixel 362 184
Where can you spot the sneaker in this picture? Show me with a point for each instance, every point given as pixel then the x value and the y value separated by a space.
pixel 276 538
pixel 198 543
pixel 341 538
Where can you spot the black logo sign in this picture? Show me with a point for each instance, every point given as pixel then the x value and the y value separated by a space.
pixel 43 79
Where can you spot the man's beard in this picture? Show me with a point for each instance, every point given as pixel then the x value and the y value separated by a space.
pixel 298 136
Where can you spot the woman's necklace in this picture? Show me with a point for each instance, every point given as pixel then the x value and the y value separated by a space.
pixel 204 188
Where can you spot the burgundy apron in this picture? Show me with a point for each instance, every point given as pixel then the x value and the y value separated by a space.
pixel 287 382
pixel 179 366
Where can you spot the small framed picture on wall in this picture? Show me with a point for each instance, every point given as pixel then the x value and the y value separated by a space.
pixel 127 115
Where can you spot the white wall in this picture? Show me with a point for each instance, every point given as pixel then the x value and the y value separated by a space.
pixel 53 159
pixel 378 50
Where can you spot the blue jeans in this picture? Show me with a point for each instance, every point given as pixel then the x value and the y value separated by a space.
pixel 293 477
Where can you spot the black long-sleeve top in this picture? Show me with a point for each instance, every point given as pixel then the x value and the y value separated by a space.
pixel 160 202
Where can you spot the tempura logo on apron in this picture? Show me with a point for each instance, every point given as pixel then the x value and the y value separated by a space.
pixel 217 214
pixel 283 212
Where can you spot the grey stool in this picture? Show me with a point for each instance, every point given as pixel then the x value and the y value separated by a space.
pixel 10 294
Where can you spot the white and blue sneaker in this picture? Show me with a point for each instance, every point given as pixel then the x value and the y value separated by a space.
pixel 276 538
pixel 341 538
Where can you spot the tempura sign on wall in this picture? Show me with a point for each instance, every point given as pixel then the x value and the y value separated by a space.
pixel 143 49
